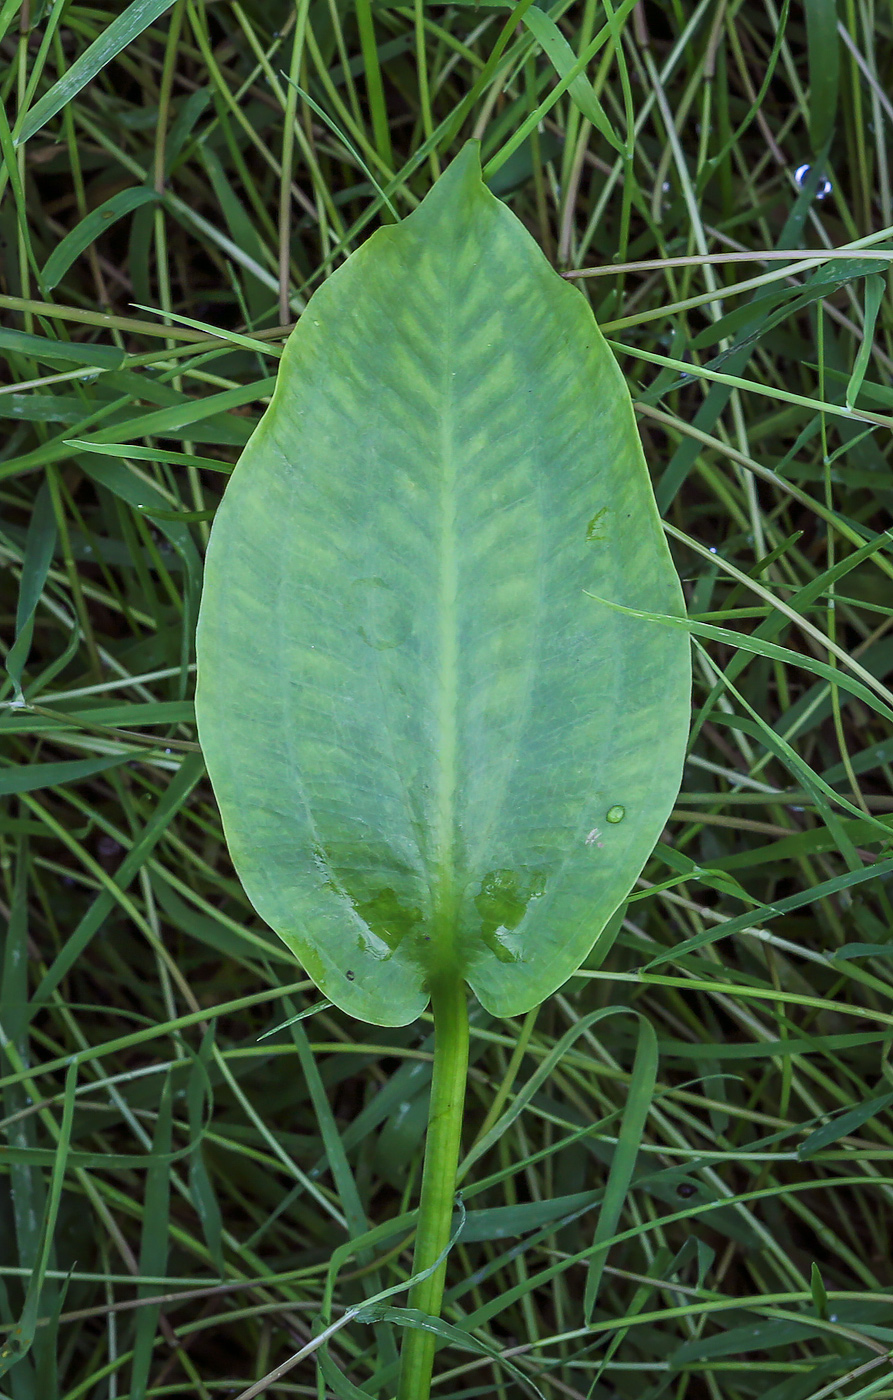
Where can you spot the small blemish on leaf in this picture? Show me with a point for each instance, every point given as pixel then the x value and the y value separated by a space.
pixel 350 976
pixel 592 529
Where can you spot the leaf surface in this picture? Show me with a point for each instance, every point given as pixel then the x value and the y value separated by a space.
pixel 431 750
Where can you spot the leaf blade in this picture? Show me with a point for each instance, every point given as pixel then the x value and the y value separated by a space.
pixel 414 728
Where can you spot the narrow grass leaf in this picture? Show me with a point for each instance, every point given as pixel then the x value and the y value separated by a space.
pixel 123 29
pixel 511 1222
pixel 874 294
pixel 207 1207
pixel 40 544
pixel 544 1069
pixel 182 125
pixel 336 131
pixel 214 928
pixel 336 1157
pixel 185 517
pixel 170 422
pixel 742 641
pixel 79 239
pixel 34 718
pixel 153 1242
pixel 565 61
pixel 26 1193
pixel 246 342
pixel 802 899
pixel 49 351
pixel 7 13
pixel 638 1105
pixel 842 1125
pixel 243 230
pixel 30 777
pixel 731 142
pixel 823 54
pixel 179 788
pixel 760 1335
pixel 755 320
pixel 23 1334
pixel 150 454
pixel 819 1294
pixel 864 950
pixel 464 1341
pixel 143 496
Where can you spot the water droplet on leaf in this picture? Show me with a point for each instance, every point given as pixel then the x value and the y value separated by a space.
pixel 801 175
pixel 502 903
pixel 615 814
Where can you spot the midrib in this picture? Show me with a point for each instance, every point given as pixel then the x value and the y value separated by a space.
pixel 448 652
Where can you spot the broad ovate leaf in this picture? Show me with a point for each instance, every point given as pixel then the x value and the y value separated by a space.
pixel 434 752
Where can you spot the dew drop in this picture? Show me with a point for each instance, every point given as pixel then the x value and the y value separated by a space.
pixel 801 174
pixel 615 814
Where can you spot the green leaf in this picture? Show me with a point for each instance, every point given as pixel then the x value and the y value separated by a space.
pixel 150 454
pixel 40 543
pixel 30 777
pixel 432 754
pixel 123 29
pixel 201 1189
pixel 875 286
pixel 153 1243
pixel 47 350
pixel 757 647
pixel 23 1334
pixel 823 49
pixel 564 60
pixel 819 1294
pixel 843 1124
pixel 143 842
pixel 464 1341
pixel 90 228
pixel 802 899
pixel 629 1140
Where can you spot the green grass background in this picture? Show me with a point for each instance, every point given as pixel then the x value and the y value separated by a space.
pixel 184 1204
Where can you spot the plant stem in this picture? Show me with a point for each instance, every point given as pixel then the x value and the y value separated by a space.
pixel 450 1008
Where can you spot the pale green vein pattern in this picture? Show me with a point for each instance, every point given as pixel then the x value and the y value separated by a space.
pixel 415 720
